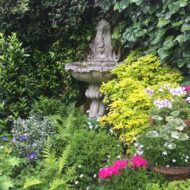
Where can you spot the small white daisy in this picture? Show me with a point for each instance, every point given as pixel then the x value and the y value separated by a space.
pixel 76 182
pixel 81 175
pixel 174 161
pixel 164 153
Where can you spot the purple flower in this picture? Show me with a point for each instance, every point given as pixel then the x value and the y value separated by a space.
pixel 32 156
pixel 22 138
pixel 4 138
pixel 163 103
pixel 13 140
pixel 179 91
pixel 149 91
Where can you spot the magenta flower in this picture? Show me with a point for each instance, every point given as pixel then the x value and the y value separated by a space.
pixel 121 164
pixel 138 162
pixel 187 88
pixel 105 173
pixel 108 172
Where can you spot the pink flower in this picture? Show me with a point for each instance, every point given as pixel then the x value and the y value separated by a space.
pixel 108 172
pixel 137 162
pixel 187 88
pixel 121 164
pixel 105 173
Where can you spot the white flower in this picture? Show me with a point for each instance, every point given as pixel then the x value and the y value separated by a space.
pixel 95 175
pixel 136 144
pixel 186 160
pixel 188 99
pixel 174 161
pixel 164 153
pixel 87 188
pixel 76 182
pixel 175 134
pixel 79 166
pixel 118 156
pixel 141 146
pixel 81 175
pixel 111 131
pixel 167 166
pixel 108 156
pixel 140 152
pixel 118 145
pixel 187 157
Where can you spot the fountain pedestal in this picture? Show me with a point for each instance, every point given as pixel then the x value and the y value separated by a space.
pixel 96 69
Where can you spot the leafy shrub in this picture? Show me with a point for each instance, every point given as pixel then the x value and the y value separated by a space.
pixel 90 151
pixel 45 106
pixel 8 164
pixel 125 95
pixel 29 135
pixel 24 79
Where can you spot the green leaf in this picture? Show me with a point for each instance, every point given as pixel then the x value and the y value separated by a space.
pixel 5 183
pixel 183 3
pixel 185 27
pixel 138 2
pixel 162 22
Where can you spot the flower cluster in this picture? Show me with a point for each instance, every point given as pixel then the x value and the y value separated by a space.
pixel 163 103
pixel 149 91
pixel 136 162
pixel 179 91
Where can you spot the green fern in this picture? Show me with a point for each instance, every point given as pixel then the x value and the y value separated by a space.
pixel 56 183
pixel 63 160
pixel 48 153
pixel 32 182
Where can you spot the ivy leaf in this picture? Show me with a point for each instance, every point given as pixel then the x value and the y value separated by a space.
pixel 185 27
pixel 162 22
pixel 180 63
pixel 183 3
pixel 169 43
pixel 174 7
pixel 178 23
pixel 138 2
pixel 162 53
pixel 159 36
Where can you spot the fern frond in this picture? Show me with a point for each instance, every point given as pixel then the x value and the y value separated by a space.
pixel 57 182
pixel 63 159
pixel 48 153
pixel 32 182
pixel 70 174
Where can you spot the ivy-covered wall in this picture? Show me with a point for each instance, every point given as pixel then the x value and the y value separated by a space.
pixel 159 26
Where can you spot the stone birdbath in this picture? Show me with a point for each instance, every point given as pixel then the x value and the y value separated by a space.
pixel 96 69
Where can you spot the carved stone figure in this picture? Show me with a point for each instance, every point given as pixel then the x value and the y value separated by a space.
pixel 96 69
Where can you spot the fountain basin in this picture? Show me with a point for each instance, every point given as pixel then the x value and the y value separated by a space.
pixel 91 72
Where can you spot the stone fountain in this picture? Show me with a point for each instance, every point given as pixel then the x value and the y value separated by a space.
pixel 96 69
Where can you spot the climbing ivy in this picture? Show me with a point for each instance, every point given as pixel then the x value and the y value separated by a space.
pixel 160 26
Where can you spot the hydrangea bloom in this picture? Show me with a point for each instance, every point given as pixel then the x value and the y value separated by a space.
pixel 137 162
pixel 163 103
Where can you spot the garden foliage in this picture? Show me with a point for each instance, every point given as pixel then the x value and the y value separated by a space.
pixel 125 95
pixel 24 78
pixel 160 26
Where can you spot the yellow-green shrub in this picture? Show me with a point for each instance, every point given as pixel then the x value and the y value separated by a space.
pixel 125 95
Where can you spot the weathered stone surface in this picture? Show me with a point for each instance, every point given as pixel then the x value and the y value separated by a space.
pixel 96 69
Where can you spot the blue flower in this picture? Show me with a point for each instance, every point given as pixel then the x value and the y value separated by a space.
pixel 4 138
pixel 31 156
pixel 22 138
